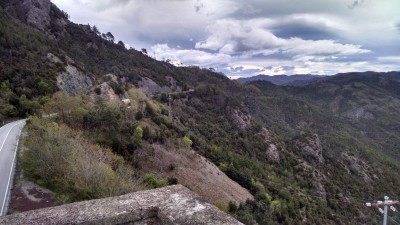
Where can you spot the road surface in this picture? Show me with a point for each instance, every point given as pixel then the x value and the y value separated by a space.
pixel 9 137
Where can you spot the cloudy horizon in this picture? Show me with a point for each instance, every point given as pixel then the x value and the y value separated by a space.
pixel 247 38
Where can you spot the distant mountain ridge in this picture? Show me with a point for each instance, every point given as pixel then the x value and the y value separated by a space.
pixel 305 79
pixel 301 79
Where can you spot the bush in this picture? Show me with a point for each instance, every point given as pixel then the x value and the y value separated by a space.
pixel 187 142
pixel 222 205
pixel 150 180
pixel 70 165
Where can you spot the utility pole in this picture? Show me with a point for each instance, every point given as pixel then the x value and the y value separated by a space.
pixel 386 203
pixel 170 107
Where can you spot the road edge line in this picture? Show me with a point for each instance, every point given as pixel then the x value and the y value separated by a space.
pixel 2 145
pixel 11 171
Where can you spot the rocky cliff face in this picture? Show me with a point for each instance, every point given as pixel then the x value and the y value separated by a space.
pixel 40 14
pixel 35 13
pixel 310 146
pixel 73 81
pixel 240 119
pixel 271 143
pixel 150 87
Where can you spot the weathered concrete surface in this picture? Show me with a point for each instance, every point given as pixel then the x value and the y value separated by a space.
pixel 169 205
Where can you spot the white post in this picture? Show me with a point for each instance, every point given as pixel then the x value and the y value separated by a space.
pixel 385 208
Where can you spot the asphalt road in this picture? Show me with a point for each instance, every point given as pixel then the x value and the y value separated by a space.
pixel 9 137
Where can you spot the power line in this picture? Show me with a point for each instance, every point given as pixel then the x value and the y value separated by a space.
pixel 386 203
pixel 394 221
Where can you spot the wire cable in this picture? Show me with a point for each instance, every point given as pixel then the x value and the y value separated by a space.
pixel 394 221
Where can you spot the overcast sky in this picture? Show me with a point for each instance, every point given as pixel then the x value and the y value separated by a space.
pixel 250 37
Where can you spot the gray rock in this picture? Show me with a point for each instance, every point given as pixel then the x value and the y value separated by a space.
pixel 357 165
pixel 239 119
pixel 73 81
pixel 173 84
pixel 169 205
pixel 32 12
pixel 360 113
pixel 272 150
pixel 273 153
pixel 310 146
pixel 150 87
pixel 53 58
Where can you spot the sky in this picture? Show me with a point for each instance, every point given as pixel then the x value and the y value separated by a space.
pixel 242 38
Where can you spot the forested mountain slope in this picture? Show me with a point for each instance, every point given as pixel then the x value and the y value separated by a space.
pixel 308 155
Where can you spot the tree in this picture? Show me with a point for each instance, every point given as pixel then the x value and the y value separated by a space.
pixel 144 51
pixel 110 37
pixel 187 142
pixel 137 137
pixel 120 43
pixel 96 30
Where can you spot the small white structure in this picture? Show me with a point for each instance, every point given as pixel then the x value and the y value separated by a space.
pixel 126 101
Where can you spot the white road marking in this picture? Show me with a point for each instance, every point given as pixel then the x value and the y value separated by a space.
pixel 12 166
pixel 1 148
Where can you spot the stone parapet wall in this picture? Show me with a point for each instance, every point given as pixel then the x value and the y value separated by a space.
pixel 169 205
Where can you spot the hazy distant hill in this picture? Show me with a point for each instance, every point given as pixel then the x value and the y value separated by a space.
pixel 312 153
pixel 283 79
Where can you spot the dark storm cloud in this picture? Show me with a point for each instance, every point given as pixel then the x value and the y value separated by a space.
pixel 304 31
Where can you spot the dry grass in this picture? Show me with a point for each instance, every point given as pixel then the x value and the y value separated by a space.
pixel 193 171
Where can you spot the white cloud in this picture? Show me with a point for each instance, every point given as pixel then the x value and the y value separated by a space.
pixel 390 59
pixel 189 56
pixel 250 37
pixel 254 36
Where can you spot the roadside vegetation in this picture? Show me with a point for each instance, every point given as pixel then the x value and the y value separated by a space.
pixel 64 161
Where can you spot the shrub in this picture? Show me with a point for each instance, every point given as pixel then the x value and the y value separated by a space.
pixel 150 180
pixel 222 205
pixel 187 142
pixel 69 164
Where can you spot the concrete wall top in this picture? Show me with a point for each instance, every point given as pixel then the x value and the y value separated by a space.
pixel 169 205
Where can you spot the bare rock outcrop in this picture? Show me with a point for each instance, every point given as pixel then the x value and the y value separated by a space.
pixel 317 187
pixel 360 113
pixel 174 84
pixel 35 13
pixel 73 81
pixel 272 148
pixel 38 14
pixel 310 146
pixel 354 165
pixel 107 93
pixel 52 58
pixel 240 119
pixel 150 87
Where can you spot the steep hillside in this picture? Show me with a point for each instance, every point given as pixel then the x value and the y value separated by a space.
pixel 303 155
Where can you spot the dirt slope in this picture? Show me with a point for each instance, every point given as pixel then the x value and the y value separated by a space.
pixel 194 172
